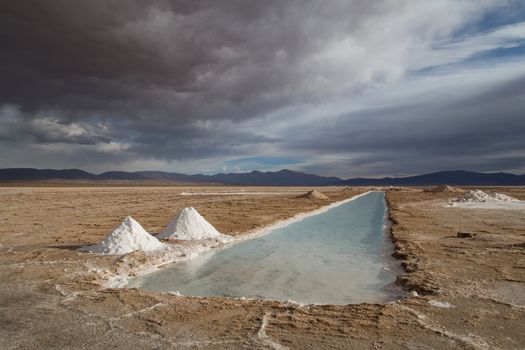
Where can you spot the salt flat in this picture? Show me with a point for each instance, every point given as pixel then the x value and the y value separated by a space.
pixel 52 296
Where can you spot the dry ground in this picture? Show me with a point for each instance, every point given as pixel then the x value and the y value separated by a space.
pixel 50 299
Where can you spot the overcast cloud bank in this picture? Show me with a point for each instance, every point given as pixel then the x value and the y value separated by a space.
pixel 346 88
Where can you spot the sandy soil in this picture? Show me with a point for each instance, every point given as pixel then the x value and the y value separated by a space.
pixel 471 291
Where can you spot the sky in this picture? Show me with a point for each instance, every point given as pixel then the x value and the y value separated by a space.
pixel 341 88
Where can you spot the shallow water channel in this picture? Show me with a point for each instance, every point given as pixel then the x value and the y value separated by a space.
pixel 340 256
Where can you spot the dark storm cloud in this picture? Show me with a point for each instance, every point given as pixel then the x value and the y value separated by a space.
pixel 479 131
pixel 152 71
pixel 178 59
pixel 104 82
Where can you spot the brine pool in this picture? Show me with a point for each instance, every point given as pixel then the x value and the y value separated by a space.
pixel 340 256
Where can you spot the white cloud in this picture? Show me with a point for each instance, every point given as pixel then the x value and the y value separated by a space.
pixel 453 50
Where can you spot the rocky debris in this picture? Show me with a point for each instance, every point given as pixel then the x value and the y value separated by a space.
pixel 465 234
pixel 444 188
pixel 417 282
pixel 398 189
pixel 478 196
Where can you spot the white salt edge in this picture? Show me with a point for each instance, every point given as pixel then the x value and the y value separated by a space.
pixel 183 253
pixel 129 236
pixel 441 304
pixel 190 225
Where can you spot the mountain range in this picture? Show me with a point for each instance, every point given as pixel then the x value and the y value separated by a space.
pixel 257 178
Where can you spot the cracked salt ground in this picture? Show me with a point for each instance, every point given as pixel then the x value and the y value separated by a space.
pixel 116 324
pixel 265 338
pixel 470 340
pixel 481 277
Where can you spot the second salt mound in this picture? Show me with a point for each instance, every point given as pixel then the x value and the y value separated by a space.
pixel 190 225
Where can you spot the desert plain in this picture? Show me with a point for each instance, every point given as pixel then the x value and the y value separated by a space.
pixel 464 293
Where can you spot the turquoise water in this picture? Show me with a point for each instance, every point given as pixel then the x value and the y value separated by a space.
pixel 337 257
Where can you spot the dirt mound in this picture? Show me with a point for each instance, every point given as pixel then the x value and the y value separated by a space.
pixel 313 195
pixel 444 188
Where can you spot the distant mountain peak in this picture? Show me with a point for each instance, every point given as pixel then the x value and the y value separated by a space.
pixel 284 177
